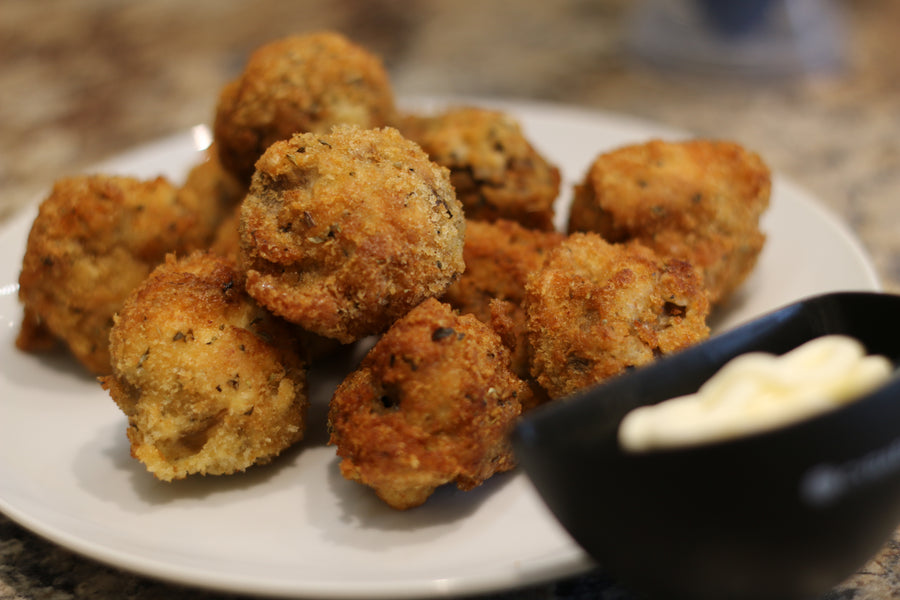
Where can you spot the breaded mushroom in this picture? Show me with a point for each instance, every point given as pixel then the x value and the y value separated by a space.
pixel 596 309
pixel 432 403
pixel 216 189
pixel 301 83
pixel 344 233
pixel 496 171
pixel 499 258
pixel 221 194
pixel 95 238
pixel 697 200
pixel 210 381
pixel 227 240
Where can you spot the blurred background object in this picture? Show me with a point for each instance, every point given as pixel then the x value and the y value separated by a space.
pixel 811 85
pixel 740 38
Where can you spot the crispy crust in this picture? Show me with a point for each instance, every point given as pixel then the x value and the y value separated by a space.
pixel 496 171
pixel 95 238
pixel 432 403
pixel 211 382
pixel 227 240
pixel 699 200
pixel 302 83
pixel 596 309
pixel 217 191
pixel 344 233
pixel 499 257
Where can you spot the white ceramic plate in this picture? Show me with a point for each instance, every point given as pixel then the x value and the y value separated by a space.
pixel 296 528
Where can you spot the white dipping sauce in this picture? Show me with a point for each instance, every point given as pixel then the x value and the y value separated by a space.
pixel 757 391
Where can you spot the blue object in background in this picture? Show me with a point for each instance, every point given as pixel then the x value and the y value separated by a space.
pixel 759 38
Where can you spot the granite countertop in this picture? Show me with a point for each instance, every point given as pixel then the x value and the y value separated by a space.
pixel 80 82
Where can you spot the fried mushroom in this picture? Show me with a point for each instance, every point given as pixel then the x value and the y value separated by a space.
pixel 496 171
pixel 500 256
pixel 95 238
pixel 344 233
pixel 210 381
pixel 217 191
pixel 301 83
pixel 432 403
pixel 697 200
pixel 596 309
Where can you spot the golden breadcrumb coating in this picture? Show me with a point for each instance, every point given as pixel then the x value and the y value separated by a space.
pixel 432 403
pixel 343 233
pixel 227 240
pixel 596 309
pixel 217 190
pixel 211 382
pixel 698 200
pixel 302 83
pixel 496 171
pixel 227 244
pixel 34 336
pixel 499 257
pixel 94 239
pixel 508 320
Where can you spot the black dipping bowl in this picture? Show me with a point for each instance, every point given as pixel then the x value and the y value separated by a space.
pixel 789 513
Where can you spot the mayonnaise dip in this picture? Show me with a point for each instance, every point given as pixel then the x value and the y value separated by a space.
pixel 758 391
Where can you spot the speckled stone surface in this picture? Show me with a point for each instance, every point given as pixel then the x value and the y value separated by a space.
pixel 81 81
